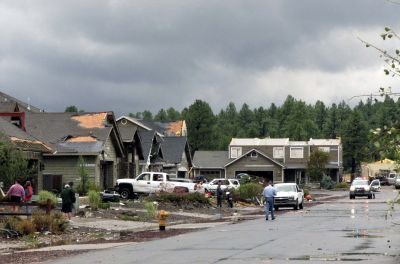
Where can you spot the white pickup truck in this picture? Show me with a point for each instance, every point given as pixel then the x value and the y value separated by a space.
pixel 150 182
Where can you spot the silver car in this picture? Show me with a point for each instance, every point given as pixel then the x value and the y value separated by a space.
pixel 375 185
pixel 397 182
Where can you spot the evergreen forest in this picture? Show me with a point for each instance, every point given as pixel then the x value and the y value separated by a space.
pixel 294 119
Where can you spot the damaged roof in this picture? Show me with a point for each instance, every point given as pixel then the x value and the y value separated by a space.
pixel 20 138
pixel 167 128
pixel 72 132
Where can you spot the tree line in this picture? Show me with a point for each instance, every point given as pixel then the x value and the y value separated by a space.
pixel 294 119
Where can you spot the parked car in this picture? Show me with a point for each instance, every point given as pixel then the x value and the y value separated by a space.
pixel 288 195
pixel 397 182
pixel 391 178
pixel 360 187
pixel 225 184
pixel 151 182
pixel 383 180
pixel 375 185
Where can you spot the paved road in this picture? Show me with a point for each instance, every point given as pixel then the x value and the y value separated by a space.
pixel 337 231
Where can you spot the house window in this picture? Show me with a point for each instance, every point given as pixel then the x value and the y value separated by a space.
pixel 296 153
pixel 324 149
pixel 278 152
pixel 236 152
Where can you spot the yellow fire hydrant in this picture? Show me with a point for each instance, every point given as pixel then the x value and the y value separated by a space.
pixel 162 216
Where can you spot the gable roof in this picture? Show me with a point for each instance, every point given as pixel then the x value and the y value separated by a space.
pixel 259 152
pixel 20 138
pixel 135 121
pixel 173 148
pixel 167 128
pixel 5 98
pixel 90 131
pixel 210 159
pixel 164 128
pixel 127 133
pixel 8 107
pixel 146 140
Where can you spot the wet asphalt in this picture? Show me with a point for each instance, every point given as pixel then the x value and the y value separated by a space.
pixel 335 231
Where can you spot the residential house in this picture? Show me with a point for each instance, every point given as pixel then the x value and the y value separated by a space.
pixel 152 154
pixel 133 149
pixel 277 159
pixel 163 145
pixel 210 164
pixel 94 136
pixel 32 148
pixel 176 156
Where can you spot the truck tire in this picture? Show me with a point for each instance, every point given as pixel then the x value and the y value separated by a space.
pixel 296 206
pixel 276 208
pixel 125 193
pixel 301 205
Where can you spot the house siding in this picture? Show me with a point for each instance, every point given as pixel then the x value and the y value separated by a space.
pixel 67 167
pixel 110 154
pixel 304 160
pixel 260 163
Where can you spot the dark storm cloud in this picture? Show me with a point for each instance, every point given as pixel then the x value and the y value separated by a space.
pixel 135 55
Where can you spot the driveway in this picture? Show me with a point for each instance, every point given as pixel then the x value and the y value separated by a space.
pixel 338 231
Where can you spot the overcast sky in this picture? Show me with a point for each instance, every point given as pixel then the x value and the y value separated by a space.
pixel 130 56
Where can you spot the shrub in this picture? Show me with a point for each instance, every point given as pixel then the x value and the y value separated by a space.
pixel 93 187
pixel 46 195
pixel 151 209
pixel 85 183
pixel 54 222
pixel 342 185
pixel 42 222
pixel 104 205
pixel 327 182
pixel 179 199
pixel 25 227
pixel 196 198
pixel 94 200
pixel 248 191
pixel 58 223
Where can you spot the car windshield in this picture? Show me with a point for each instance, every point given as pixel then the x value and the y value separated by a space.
pixel 359 182
pixel 285 188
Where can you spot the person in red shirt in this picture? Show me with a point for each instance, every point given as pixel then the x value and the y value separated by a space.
pixel 16 193
pixel 28 195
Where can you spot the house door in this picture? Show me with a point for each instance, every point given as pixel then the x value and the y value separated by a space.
pixel 107 174
pixel 52 183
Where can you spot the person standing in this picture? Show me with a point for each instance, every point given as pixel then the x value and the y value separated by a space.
pixel 219 195
pixel 269 193
pixel 16 193
pixel 68 199
pixel 28 195
pixel 229 199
